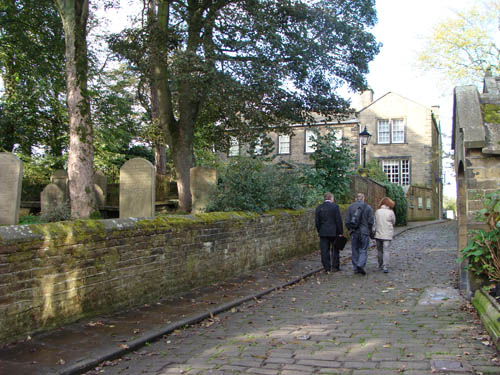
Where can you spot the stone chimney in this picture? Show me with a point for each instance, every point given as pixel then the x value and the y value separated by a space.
pixel 435 112
pixel 366 98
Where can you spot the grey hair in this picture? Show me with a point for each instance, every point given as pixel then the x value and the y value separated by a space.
pixel 360 197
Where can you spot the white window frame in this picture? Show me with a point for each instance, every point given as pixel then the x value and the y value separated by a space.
pixel 383 135
pixel 428 203
pixel 397 171
pixel 420 202
pixel 397 131
pixel 310 141
pixel 258 149
pixel 234 147
pixel 391 131
pixel 283 144
pixel 339 134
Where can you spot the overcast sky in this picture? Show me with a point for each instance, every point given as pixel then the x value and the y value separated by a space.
pixel 401 27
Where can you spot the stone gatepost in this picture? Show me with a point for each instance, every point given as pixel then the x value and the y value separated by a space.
pixel 11 172
pixel 137 189
pixel 203 186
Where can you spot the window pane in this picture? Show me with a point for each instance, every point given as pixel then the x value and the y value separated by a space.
pixel 405 172
pixel 428 203
pixel 383 131
pixel 234 148
pixel 391 169
pixel 258 147
pixel 398 131
pixel 310 141
pixel 283 144
pixel 338 137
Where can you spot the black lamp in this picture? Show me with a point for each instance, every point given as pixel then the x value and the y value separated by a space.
pixel 364 136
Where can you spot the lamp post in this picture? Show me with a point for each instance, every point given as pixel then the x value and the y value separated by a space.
pixel 364 136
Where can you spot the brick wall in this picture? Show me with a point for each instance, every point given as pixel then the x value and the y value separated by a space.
pixel 56 273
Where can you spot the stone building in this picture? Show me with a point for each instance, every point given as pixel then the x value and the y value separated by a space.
pixel 476 141
pixel 406 140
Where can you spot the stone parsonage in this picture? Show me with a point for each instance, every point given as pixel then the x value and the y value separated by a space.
pixel 406 140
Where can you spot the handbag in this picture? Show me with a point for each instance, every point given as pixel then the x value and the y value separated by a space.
pixel 339 243
pixel 373 230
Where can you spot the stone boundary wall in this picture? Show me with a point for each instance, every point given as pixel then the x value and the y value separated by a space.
pixel 53 274
pixel 417 212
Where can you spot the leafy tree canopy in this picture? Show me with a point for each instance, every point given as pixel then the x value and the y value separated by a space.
pixel 32 108
pixel 465 47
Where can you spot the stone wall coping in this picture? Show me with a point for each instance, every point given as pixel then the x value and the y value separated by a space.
pixel 24 233
pixel 468 116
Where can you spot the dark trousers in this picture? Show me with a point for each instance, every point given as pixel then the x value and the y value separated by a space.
pixel 330 258
pixel 359 245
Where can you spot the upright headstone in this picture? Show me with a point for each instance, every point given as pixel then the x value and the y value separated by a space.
pixel 60 178
pixel 51 197
pixel 137 189
pixel 203 184
pixel 11 176
pixel 101 188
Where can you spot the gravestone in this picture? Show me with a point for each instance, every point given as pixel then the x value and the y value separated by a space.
pixel 60 178
pixel 51 197
pixel 101 188
pixel 203 183
pixel 137 188
pixel 11 176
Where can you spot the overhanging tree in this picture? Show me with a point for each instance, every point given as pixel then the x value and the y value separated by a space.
pixel 32 111
pixel 251 64
pixel 464 48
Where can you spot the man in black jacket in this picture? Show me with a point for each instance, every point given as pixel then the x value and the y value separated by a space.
pixel 329 226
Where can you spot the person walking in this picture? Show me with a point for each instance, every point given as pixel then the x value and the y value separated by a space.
pixel 329 225
pixel 359 220
pixel 385 219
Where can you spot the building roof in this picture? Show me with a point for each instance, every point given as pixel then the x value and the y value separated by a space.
pixel 476 116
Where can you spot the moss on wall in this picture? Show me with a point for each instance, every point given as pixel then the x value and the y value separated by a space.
pixel 491 113
pixel 89 267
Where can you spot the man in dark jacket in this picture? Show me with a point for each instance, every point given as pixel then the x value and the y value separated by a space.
pixel 360 236
pixel 329 226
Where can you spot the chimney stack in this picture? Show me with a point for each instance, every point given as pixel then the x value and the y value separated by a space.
pixel 366 98
pixel 435 112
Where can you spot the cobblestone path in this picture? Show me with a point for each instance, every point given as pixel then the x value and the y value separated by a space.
pixel 411 320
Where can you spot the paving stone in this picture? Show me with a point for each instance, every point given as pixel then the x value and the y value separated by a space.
pixel 262 371
pixel 405 365
pixel 318 363
pixel 359 365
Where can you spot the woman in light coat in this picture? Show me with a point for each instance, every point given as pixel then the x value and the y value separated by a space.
pixel 384 224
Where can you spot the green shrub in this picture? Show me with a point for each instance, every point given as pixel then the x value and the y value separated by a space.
pixel 333 164
pixel 397 194
pixel 248 184
pixel 61 212
pixel 483 249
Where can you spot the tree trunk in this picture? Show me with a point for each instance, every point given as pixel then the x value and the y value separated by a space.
pixel 182 154
pixel 74 14
pixel 179 139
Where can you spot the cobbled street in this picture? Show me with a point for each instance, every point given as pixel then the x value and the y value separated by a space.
pixel 411 320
